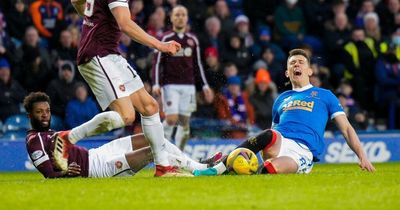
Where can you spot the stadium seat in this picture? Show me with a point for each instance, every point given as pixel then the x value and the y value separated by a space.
pixel 16 123
pixel 13 135
pixel 56 123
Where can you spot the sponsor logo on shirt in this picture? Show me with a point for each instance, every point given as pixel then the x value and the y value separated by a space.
pixel 299 104
pixel 36 154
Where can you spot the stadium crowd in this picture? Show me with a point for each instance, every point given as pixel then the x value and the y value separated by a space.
pixel 355 48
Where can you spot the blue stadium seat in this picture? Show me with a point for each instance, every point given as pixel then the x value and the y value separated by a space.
pixel 16 123
pixel 13 135
pixel 56 123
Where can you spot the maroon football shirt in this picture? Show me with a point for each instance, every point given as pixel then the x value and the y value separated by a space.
pixel 100 31
pixel 40 146
pixel 181 68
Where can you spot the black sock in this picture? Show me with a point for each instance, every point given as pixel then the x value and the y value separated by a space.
pixel 256 143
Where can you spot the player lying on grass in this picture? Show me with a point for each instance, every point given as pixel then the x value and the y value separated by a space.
pixel 298 123
pixel 123 156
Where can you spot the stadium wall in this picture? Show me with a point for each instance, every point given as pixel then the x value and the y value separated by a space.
pixel 379 148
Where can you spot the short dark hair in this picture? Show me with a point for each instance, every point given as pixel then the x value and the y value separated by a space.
pixel 300 52
pixel 35 97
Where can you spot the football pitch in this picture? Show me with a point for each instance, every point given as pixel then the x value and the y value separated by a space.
pixel 327 187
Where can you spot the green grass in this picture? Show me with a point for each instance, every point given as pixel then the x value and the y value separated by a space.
pixel 327 187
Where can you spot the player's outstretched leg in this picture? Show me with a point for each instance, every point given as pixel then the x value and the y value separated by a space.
pixel 101 123
pixel 260 142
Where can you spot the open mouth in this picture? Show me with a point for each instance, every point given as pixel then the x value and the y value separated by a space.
pixel 297 72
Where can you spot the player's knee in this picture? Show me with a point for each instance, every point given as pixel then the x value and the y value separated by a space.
pixel 171 121
pixel 128 119
pixel 150 108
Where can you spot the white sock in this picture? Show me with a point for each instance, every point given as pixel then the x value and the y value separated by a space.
pixel 168 129
pixel 221 168
pixel 185 163
pixel 182 135
pixel 101 123
pixel 153 131
pixel 178 158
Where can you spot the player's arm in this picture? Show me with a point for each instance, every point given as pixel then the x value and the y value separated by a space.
pixel 46 168
pixel 79 6
pixel 353 141
pixel 130 28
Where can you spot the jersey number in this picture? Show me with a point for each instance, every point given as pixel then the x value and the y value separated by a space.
pixel 89 8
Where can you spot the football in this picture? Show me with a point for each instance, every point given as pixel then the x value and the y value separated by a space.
pixel 242 161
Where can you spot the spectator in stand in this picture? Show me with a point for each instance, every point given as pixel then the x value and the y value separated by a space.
pixel 236 7
pixel 213 36
pixel 7 47
pixel 315 14
pixel 264 41
pixel 351 107
pixel 214 72
pixel 263 98
pixel 356 117
pixel 221 10
pixel 390 17
pixel 18 19
pixel 275 68
pixel 371 26
pixel 359 59
pixel 81 108
pixel 233 105
pixel 48 17
pixel 291 27
pixel 290 24
pixel 260 12
pixel 198 11
pixel 65 49
pixel 61 90
pixel 11 92
pixel 72 18
pixel 137 13
pixel 238 54
pixel 156 23
pixel 337 34
pixel 34 66
pixel 367 6
pixel 242 27
pixel 387 73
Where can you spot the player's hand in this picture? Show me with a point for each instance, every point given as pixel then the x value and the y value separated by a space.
pixel 208 95
pixel 365 164
pixel 156 90
pixel 171 47
pixel 73 170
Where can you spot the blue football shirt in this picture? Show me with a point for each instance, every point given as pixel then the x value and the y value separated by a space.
pixel 302 115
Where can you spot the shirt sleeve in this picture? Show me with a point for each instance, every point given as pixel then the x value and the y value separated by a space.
pixel 334 107
pixel 275 113
pixel 117 3
pixel 40 158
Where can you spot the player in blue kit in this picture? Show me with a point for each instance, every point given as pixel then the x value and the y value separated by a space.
pixel 295 140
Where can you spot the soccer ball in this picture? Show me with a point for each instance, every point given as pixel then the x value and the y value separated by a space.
pixel 242 161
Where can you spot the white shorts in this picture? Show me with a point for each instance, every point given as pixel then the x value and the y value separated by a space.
pixel 299 153
pixel 110 77
pixel 109 160
pixel 179 99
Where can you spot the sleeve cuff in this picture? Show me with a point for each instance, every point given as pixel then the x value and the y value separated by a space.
pixel 120 3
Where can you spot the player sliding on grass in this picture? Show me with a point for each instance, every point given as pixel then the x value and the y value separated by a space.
pixel 298 123
pixel 124 156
